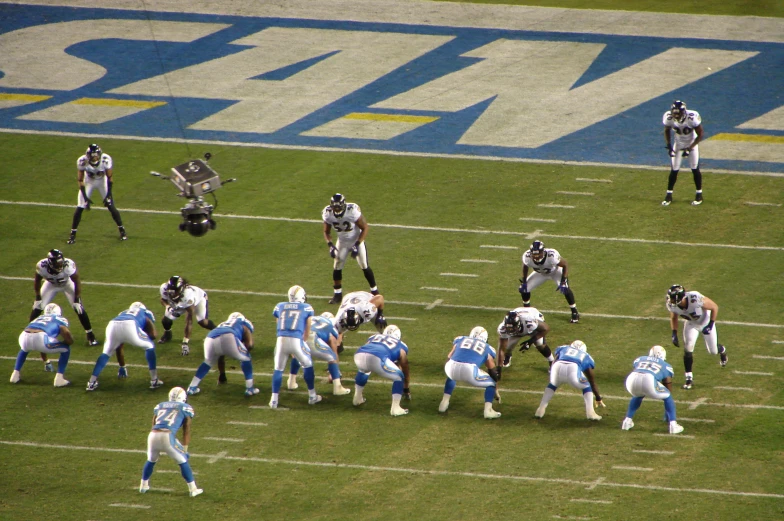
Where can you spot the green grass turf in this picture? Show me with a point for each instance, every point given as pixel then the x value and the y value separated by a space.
pixel 739 452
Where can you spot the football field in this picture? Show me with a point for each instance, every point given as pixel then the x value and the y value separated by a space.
pixel 449 221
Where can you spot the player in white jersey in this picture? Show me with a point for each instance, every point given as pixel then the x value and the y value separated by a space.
pixel 94 172
pixel 700 313
pixel 516 325
pixel 686 127
pixel 58 274
pixel 547 264
pixel 352 227
pixel 360 307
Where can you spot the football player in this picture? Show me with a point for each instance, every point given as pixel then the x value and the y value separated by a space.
pixel 233 338
pixel 167 418
pixel 94 172
pixel 387 356
pixel 686 127
pixel 48 333
pixel 518 324
pixel 135 326
pixel 352 227
pixel 574 366
pixel 325 343
pixel 56 274
pixel 464 364
pixel 699 313
pixel 360 307
pixel 651 377
pixel 547 265
pixel 293 328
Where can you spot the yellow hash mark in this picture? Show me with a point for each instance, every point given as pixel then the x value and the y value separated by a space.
pixel 22 97
pixel 390 117
pixel 758 138
pixel 119 103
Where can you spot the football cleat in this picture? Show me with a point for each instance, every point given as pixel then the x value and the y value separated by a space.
pixel 273 404
pixel 492 414
pixel 123 235
pixel 667 200
pixel 675 428
pixel 71 238
pixel 193 390
pixel 92 386
pixel 627 424
pixel 337 298
pixel 251 391
pixel 724 357
pixel 154 384
pixel 91 340
pixel 122 372
pixel 398 411
pixel 144 486
pixel 292 383
pixel 59 381
pixel 540 412
pixel 222 378
pixel 507 360
pixel 165 337
pixel 575 317
pixel 594 417
pixel 689 383
pixel 697 200
pixel 313 400
pixel 444 405
pixel 15 377
pixel 196 492
pixel 340 391
pixel 48 367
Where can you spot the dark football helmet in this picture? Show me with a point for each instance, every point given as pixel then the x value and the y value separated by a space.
pixel 338 205
pixel 537 252
pixel 56 261
pixel 676 293
pixel 94 154
pixel 353 319
pixel 678 110
pixel 513 324
pixel 175 287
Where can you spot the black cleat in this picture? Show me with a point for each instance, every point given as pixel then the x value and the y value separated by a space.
pixel 689 384
pixel 575 317
pixel 71 238
pixel 123 235
pixel 667 200
pixel 723 356
pixel 222 378
pixel 91 340
pixel 165 337
pixel 337 298
pixel 697 200
pixel 507 360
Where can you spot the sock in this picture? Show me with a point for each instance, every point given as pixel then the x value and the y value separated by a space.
pixel 147 472
pixel 76 218
pixel 187 474
pixel 247 371
pixel 688 363
pixel 489 395
pixel 275 397
pixel 277 380
pixel 334 371
pixel 449 386
pixel 202 371
pixel 489 405
pixel 549 392
pixel 397 387
pixel 20 360
pixel 192 486
pixel 295 365
pixel 63 362
pixel 358 390
pixel 669 408
pixel 99 365
pixel 149 354
pixel 588 397
pixel 310 378
pixel 671 181
pixel 697 179
pixel 371 279
pixel 634 404
pixel 396 400
pixel 361 379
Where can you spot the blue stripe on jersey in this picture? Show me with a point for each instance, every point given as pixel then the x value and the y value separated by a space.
pixel 471 350
pixel 292 318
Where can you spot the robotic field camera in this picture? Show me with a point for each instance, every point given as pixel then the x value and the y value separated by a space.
pixel 195 179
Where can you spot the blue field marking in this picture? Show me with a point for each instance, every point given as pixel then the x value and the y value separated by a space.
pixel 726 99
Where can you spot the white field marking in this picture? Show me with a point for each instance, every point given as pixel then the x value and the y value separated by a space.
pixel 753 373
pixel 480 261
pixel 692 405
pixel 637 469
pixel 431 228
pixel 409 319
pixel 695 420
pixel 537 220
pixel 230 440
pixel 156 489
pixel 761 204
pixel 696 403
pixel 686 436
pixel 777 341
pixel 499 247
pixel 128 505
pixel 249 424
pixel 724 388
pixel 433 304
pixel 534 234
pixel 216 457
pixel 416 304
pixel 279 408
pixel 662 452
pixel 166 471
pixel 427 472
pixel 368 151
pixel 587 180
pixel 432 288
pixel 575 193
pixel 553 205
pixel 768 357
pixel 598 501
pixel 468 275
pixel 576 518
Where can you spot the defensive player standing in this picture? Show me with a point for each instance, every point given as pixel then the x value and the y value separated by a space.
pixel 352 227
pixel 324 342
pixel 464 364
pixel 518 324
pixel 651 377
pixel 547 265
pixel 360 307
pixel 46 334
pixel 686 126
pixel 135 326
pixel 233 338
pixel 387 356
pixel 699 313
pixel 574 366
pixel 293 327
pixel 167 418
pixel 94 172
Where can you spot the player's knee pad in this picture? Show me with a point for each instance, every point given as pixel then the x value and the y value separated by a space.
pixel 167 323
pixel 337 274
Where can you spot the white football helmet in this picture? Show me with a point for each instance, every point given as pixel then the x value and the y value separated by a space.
pixel 136 306
pixel 178 394
pixel 237 315
pixel 328 315
pixel 658 352
pixel 579 345
pixel 480 333
pixel 297 294
pixel 52 309
pixel 392 331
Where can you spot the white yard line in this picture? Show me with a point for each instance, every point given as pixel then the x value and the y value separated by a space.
pixel 216 457
pixel 156 489
pixel 432 228
pixel 575 193
pixel 416 304
pixel 537 220
pixel 432 288
pixel 753 373
pixel 662 452
pixel 279 408
pixel 597 501
pixel 406 319
pixel 585 179
pixel 166 471
pixel 575 518
pixel 696 403
pixel 777 341
pixel 761 204
pixel 599 482
pixel 499 247
pixel 448 274
pixel 127 505
pixel 595 483
pixel 433 304
pixel 249 424
pixel 763 357
pixel 480 261
pixel 553 205
pixel 724 388
pixel 636 469
pixel 230 440
pixel 695 420
pixel 684 436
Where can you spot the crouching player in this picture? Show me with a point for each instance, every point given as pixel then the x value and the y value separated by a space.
pixel 381 355
pixel 232 338
pixel 167 419
pixel 48 334
pixel 652 377
pixel 135 326
pixel 574 366
pixel 466 358
pixel 324 341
